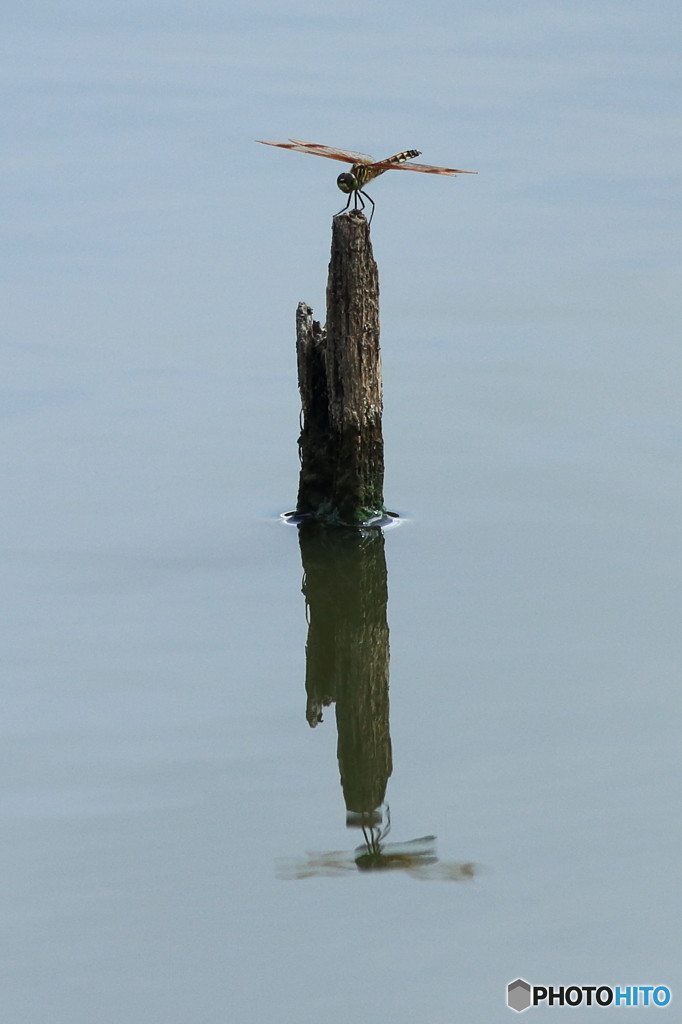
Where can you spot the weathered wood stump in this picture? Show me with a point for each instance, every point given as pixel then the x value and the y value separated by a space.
pixel 341 445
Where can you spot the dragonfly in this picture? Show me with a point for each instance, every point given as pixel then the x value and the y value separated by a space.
pixel 364 168
pixel 417 857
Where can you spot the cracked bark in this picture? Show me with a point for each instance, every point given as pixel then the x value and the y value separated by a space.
pixel 339 375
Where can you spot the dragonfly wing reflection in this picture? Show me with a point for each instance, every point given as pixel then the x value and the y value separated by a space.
pixel 334 863
pixel 445 871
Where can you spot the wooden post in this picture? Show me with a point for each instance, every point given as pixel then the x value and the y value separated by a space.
pixel 339 375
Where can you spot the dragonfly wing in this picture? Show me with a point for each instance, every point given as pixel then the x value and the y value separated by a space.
pixel 334 154
pixel 424 168
pixel 345 155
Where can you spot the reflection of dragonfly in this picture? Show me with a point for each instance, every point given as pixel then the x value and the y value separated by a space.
pixel 364 168
pixel 417 857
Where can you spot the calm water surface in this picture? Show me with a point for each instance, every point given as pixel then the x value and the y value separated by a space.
pixel 501 672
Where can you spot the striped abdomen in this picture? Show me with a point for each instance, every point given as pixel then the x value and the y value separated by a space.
pixel 365 172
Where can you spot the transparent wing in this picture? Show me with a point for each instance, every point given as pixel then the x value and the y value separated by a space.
pixel 334 154
pixel 347 156
pixel 325 864
pixel 444 871
pixel 424 168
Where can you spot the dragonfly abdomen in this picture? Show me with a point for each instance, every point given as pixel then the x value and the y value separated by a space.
pixel 400 158
pixel 366 172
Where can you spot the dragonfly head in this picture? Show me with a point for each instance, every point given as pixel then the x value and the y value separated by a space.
pixel 347 182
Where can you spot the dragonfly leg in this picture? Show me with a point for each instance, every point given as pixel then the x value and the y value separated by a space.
pixel 372 202
pixel 350 196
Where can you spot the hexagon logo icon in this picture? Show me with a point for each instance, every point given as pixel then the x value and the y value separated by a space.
pixel 518 995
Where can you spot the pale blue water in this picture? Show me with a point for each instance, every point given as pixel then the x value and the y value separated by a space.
pixel 157 757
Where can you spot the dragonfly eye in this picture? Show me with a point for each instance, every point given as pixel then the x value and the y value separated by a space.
pixel 346 182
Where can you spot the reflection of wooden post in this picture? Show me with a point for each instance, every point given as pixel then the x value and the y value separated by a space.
pixel 339 376
pixel 346 591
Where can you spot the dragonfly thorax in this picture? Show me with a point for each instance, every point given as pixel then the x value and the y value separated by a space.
pixel 347 182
